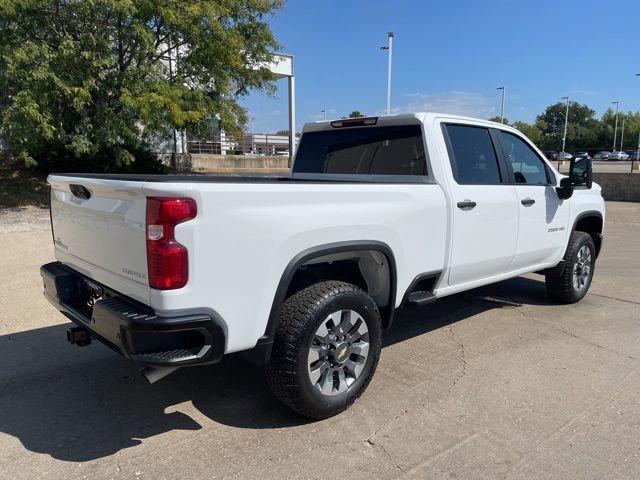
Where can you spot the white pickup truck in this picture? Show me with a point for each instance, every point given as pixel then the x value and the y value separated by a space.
pixel 305 272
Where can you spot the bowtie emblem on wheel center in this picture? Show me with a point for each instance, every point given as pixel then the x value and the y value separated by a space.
pixel 341 352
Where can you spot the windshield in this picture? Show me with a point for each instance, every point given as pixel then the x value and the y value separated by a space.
pixel 391 150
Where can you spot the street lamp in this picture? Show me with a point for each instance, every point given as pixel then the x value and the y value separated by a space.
pixel 615 130
pixel 389 49
pixel 502 104
pixel 324 114
pixel 251 133
pixel 566 122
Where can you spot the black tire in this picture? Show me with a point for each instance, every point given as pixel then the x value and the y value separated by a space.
pixel 562 286
pixel 301 315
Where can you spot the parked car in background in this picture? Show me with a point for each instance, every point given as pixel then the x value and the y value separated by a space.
pixel 583 155
pixel 619 155
pixel 604 155
pixel 551 155
pixel 564 156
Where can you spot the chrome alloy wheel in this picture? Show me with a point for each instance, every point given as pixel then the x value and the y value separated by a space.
pixel 338 352
pixel 582 268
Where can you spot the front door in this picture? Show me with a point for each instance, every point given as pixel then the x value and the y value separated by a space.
pixel 543 216
pixel 485 208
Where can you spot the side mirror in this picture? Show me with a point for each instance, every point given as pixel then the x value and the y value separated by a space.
pixel 580 176
pixel 580 172
pixel 565 189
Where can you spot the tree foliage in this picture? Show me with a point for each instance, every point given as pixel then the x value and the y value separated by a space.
pixel 84 77
pixel 584 130
pixel 356 114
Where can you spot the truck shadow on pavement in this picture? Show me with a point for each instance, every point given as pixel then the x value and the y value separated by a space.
pixel 79 404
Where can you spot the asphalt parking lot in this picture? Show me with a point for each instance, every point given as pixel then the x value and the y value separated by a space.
pixel 498 382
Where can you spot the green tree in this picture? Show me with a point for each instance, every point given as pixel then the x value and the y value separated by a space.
pixel 531 131
pixel 356 114
pixel 581 130
pixel 497 120
pixel 87 77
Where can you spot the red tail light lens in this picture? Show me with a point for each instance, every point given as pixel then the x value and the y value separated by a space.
pixel 167 260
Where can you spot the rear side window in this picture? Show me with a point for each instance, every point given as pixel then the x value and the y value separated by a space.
pixel 393 150
pixel 526 165
pixel 473 158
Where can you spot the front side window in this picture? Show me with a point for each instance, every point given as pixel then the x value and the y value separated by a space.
pixel 473 157
pixel 526 165
pixel 391 150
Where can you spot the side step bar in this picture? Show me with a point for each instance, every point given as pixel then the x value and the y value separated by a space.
pixel 420 297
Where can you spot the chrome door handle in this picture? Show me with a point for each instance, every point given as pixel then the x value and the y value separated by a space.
pixel 527 202
pixel 466 205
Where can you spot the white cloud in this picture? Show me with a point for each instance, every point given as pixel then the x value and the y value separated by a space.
pixel 471 104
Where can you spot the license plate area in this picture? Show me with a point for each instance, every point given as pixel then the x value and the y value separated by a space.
pixel 88 293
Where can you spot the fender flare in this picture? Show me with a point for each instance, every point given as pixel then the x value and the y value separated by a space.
pixel 559 269
pixel 586 214
pixel 265 343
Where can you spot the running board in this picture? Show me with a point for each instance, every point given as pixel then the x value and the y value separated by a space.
pixel 421 297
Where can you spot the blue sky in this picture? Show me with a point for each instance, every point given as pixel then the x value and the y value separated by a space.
pixel 450 56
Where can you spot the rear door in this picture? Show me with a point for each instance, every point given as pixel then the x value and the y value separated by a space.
pixel 543 216
pixel 485 207
pixel 99 230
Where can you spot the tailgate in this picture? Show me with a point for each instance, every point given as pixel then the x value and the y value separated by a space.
pixel 99 230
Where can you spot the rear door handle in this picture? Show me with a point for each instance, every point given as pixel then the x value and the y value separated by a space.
pixel 527 202
pixel 466 205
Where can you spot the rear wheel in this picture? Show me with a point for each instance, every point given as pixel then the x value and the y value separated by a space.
pixel 326 348
pixel 572 285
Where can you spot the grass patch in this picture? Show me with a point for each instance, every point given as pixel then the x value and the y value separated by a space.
pixel 20 187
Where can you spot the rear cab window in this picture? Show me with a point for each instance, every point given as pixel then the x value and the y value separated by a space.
pixel 394 150
pixel 473 158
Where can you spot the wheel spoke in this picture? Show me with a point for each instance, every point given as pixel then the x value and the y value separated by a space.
pixel 326 382
pixel 346 322
pixel 315 352
pixel 336 318
pixel 322 334
pixel 315 373
pixel 354 367
pixel 359 332
pixel 360 348
pixel 342 381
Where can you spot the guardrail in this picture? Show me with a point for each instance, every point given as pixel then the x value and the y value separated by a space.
pixel 247 144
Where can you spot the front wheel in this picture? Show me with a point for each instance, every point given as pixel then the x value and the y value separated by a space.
pixel 572 285
pixel 326 348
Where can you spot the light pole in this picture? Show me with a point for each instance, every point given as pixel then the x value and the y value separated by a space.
pixel 251 133
pixel 501 104
pixel 389 49
pixel 324 114
pixel 615 130
pixel 566 122
pixel 637 152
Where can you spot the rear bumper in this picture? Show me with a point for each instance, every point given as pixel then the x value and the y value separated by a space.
pixel 130 328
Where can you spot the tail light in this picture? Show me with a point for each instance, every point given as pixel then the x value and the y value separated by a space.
pixel 167 260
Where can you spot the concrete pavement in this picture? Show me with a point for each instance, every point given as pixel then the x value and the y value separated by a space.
pixel 469 387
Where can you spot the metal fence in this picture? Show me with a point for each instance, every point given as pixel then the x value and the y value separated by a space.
pixel 247 144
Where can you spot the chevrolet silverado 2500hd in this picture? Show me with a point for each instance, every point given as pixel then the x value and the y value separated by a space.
pixel 304 272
